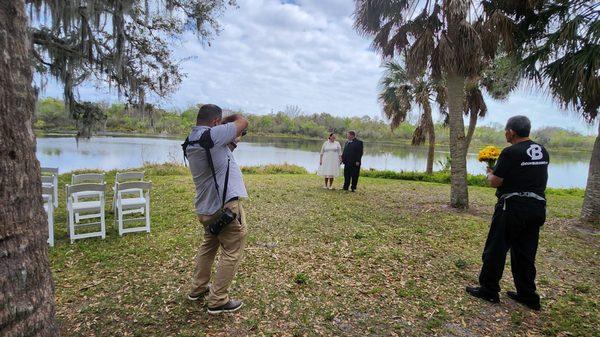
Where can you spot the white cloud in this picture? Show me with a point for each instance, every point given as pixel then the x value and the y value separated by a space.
pixel 274 53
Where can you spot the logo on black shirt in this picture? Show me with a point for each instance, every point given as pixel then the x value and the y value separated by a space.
pixel 535 152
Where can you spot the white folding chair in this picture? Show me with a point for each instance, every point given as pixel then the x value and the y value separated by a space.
pixel 88 209
pixel 47 195
pixel 86 178
pixel 125 202
pixel 50 176
pixel 122 177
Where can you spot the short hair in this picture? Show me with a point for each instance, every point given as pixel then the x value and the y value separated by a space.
pixel 208 112
pixel 519 124
pixel 352 132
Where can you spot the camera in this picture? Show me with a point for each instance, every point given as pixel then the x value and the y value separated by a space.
pixel 225 217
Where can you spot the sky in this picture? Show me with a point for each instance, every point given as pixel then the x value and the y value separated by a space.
pixel 275 53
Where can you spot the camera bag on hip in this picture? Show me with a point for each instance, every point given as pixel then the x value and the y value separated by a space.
pixel 224 216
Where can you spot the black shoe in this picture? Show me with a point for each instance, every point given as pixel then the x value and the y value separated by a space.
pixel 484 294
pixel 353 190
pixel 231 306
pixel 195 297
pixel 533 304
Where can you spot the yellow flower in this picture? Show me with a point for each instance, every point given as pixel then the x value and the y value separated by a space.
pixel 488 153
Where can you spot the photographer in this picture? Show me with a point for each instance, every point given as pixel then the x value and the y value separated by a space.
pixel 219 187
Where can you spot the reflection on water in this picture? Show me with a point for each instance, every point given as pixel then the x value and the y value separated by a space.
pixel 106 153
pixel 52 151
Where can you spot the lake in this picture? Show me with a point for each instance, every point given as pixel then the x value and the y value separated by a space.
pixel 107 153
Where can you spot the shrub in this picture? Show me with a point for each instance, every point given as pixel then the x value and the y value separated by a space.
pixel 275 169
pixel 442 177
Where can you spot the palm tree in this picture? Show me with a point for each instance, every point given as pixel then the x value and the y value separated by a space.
pixel 499 78
pixel 558 43
pixel 398 92
pixel 441 40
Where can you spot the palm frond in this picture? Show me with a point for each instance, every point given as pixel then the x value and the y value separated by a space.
pixel 370 15
pixel 574 80
pixel 425 125
pixel 420 53
pixel 397 93
pixel 468 50
pixel 474 102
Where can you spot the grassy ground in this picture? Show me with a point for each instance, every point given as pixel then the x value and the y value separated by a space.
pixel 392 259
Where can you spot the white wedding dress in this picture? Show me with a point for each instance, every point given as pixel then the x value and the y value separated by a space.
pixel 331 151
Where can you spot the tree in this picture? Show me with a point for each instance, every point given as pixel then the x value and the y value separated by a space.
pixel 123 43
pixel 442 38
pixel 27 300
pixel 293 111
pixel 558 43
pixel 398 92
pixel 120 42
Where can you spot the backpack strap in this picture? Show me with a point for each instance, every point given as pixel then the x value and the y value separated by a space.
pixel 207 144
pixel 185 145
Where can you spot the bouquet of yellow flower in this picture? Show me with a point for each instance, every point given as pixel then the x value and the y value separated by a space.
pixel 489 154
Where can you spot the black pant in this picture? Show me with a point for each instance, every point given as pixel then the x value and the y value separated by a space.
pixel 351 173
pixel 517 228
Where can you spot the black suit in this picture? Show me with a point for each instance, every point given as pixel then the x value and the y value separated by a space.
pixel 353 152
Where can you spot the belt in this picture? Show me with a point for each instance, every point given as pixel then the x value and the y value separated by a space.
pixel 503 197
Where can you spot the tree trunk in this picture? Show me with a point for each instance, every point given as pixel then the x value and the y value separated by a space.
pixel 26 287
pixel 431 141
pixel 459 193
pixel 471 130
pixel 590 211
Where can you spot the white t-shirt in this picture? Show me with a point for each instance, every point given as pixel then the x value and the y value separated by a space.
pixel 208 201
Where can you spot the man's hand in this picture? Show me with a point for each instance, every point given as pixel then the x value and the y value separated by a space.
pixel 357 163
pixel 241 123
pixel 233 145
pixel 494 180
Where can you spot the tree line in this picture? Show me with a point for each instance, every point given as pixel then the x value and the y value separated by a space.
pixel 51 116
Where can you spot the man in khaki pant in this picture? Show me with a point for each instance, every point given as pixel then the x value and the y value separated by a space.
pixel 210 193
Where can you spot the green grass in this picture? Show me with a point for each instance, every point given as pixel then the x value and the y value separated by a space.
pixel 391 259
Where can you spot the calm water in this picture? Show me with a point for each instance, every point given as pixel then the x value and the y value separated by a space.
pixel 107 153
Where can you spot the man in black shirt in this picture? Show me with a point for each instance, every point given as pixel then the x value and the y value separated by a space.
pixel 351 157
pixel 520 177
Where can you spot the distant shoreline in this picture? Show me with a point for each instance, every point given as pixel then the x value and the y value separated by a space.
pixel 475 145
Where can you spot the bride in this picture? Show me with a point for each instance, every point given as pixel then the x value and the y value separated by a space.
pixel 331 158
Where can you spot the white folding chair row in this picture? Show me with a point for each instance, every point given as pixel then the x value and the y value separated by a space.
pixel 86 178
pixel 122 177
pixel 50 177
pixel 90 207
pixel 128 201
pixel 86 200
pixel 48 196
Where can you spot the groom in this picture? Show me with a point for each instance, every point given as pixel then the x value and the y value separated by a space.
pixel 351 157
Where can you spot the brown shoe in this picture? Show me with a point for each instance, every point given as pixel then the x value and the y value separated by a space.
pixel 231 306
